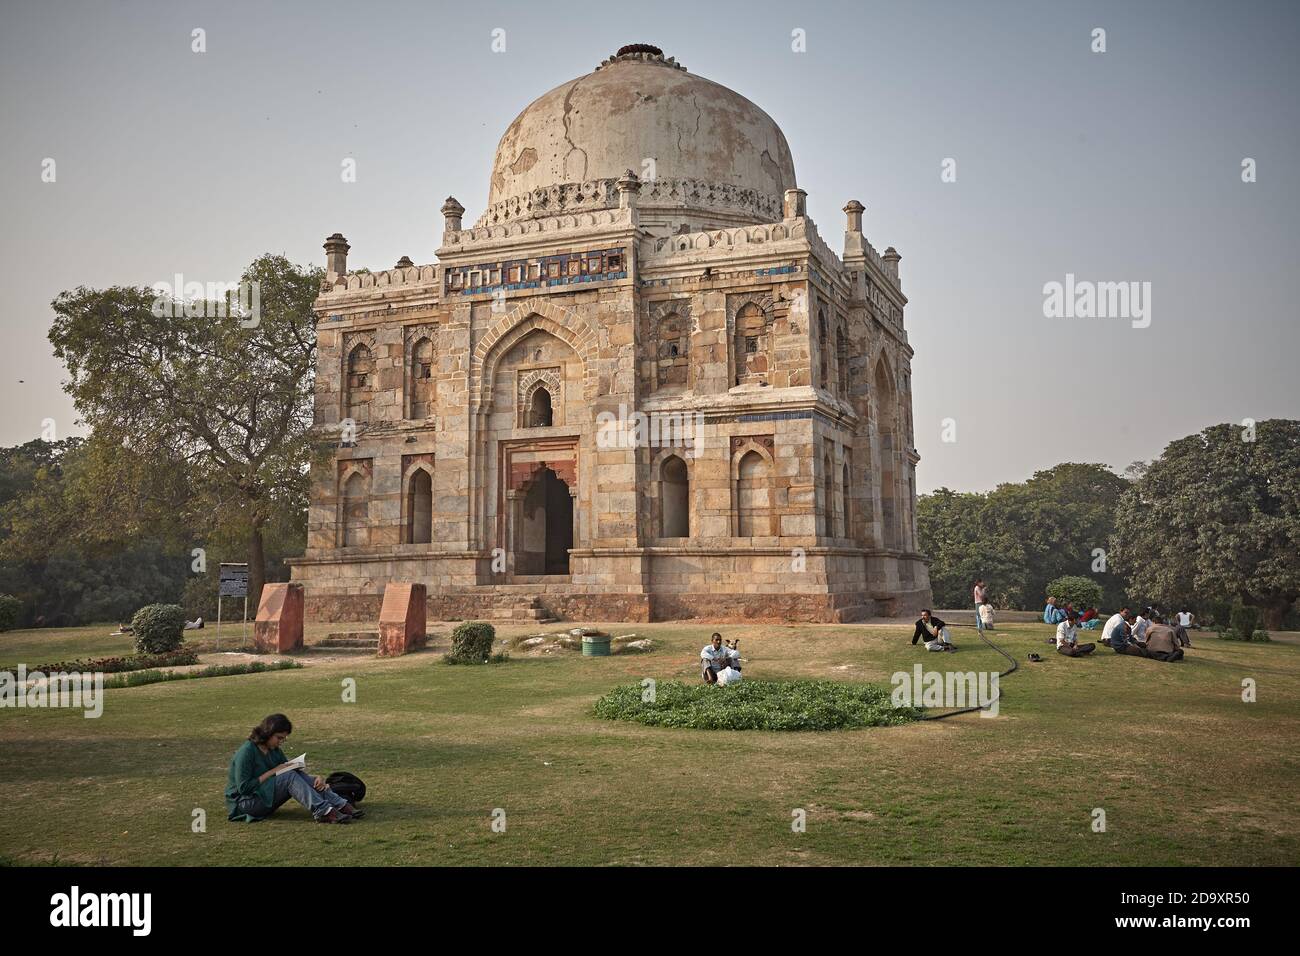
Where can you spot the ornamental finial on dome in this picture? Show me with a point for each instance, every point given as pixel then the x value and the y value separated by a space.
pixel 641 53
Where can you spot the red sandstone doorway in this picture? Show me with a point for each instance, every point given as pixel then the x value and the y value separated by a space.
pixel 544 529
pixel 539 508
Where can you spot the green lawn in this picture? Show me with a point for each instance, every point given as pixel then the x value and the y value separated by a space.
pixel 1187 772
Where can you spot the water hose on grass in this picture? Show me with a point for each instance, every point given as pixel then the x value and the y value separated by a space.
pixel 1010 670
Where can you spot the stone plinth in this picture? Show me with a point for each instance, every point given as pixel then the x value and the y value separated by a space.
pixel 278 627
pixel 401 619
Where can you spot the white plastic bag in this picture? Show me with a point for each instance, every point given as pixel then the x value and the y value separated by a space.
pixel 728 675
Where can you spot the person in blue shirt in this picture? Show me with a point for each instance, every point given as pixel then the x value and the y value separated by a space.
pixel 1052 614
pixel 1121 639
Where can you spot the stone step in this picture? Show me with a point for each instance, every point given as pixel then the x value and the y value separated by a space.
pixel 365 640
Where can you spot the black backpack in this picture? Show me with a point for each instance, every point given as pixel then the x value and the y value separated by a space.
pixel 347 785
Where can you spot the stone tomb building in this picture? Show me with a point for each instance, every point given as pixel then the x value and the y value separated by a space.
pixel 645 251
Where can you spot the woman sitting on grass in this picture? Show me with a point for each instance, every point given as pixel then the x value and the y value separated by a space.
pixel 254 791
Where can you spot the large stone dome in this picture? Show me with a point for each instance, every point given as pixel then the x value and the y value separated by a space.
pixel 713 151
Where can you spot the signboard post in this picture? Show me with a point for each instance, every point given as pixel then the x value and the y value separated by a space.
pixel 233 583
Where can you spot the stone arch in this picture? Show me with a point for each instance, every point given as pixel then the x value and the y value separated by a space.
pixel 672 473
pixel 885 406
pixel 358 376
pixel 417 487
pixel 420 362
pixel 749 321
pixel 823 351
pixel 884 391
pixel 540 409
pixel 752 500
pixel 828 495
pixel 354 505
pixel 531 384
pixel 845 516
pixel 569 327
pixel 671 325
pixel 737 302
pixel 842 361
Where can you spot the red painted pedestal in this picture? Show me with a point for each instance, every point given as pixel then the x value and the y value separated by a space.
pixel 278 627
pixel 401 619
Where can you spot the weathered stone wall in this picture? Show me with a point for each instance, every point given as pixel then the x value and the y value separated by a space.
pixel 786 368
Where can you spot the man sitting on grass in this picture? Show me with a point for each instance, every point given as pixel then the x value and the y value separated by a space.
pixel 1067 637
pixel 1162 643
pixel 933 631
pixel 713 659
pixel 1121 638
pixel 1114 623
pixel 1141 624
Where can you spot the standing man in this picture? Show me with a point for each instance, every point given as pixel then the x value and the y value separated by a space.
pixel 1067 637
pixel 981 598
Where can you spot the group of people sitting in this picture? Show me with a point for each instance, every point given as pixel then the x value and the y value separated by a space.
pixel 720 661
pixel 1137 635
pixel 1055 613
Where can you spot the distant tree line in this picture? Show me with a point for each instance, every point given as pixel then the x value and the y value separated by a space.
pixel 1212 523
pixel 82 540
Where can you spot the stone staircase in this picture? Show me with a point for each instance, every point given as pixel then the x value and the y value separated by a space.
pixel 358 642
pixel 518 607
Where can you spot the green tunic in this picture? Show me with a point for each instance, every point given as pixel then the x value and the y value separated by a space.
pixel 246 766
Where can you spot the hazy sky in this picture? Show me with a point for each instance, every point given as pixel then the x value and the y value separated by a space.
pixel 1115 166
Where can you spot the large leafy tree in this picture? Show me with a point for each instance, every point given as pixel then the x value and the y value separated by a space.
pixel 222 400
pixel 1022 535
pixel 952 530
pixel 1217 516
pixel 1063 518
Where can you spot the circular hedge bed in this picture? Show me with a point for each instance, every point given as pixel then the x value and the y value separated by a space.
pixel 756 705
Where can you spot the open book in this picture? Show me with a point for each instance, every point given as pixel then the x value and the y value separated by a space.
pixel 297 763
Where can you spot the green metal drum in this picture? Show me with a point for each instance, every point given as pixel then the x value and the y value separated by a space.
pixel 595 646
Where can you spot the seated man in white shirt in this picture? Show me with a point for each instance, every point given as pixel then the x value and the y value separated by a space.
pixel 713 659
pixel 1113 624
pixel 1067 637
pixel 1141 624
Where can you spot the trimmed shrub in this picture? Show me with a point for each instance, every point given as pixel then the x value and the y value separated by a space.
pixel 1082 592
pixel 1245 621
pixel 471 642
pixel 158 628
pixel 10 609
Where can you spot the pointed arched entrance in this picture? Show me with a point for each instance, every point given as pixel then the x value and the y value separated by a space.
pixel 539 512
pixel 545 526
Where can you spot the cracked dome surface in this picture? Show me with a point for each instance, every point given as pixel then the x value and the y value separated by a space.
pixel 636 108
